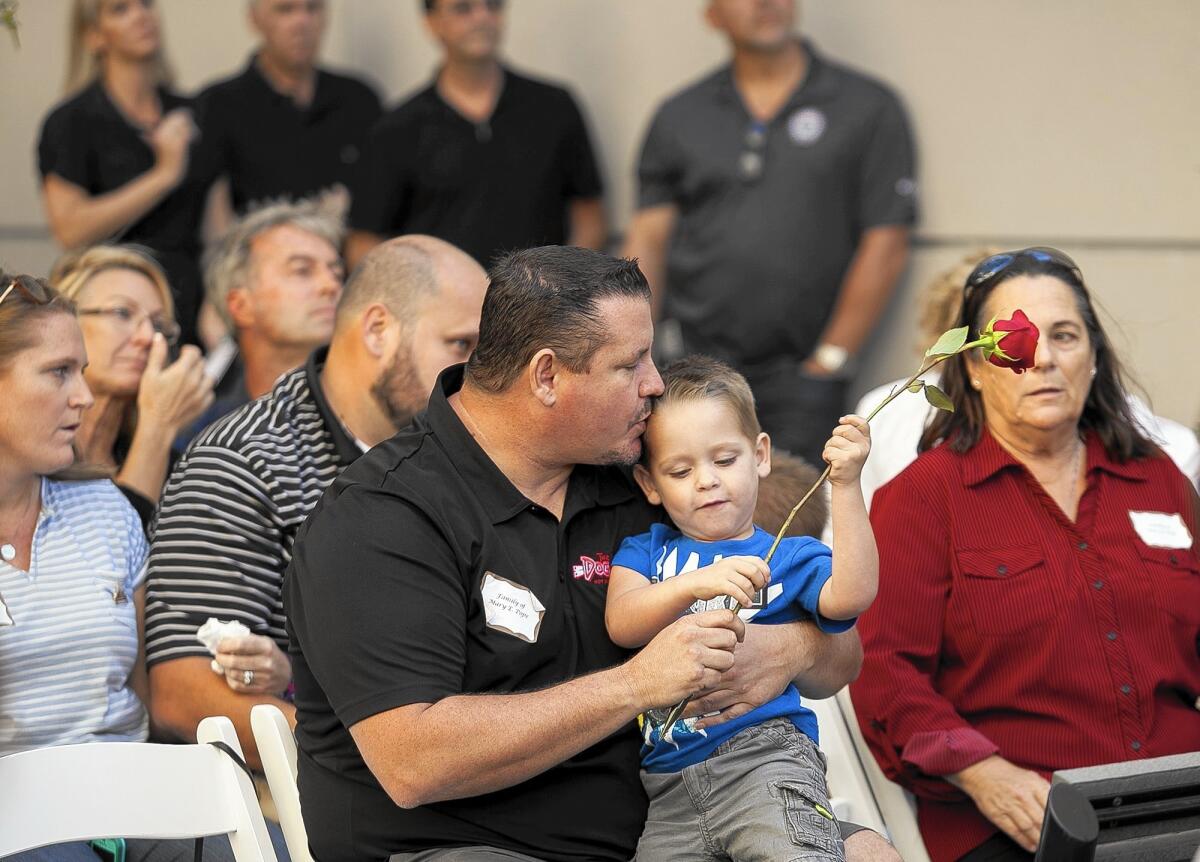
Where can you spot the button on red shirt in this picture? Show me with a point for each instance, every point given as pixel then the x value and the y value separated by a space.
pixel 1003 627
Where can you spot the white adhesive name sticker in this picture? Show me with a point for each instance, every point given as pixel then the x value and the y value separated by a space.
pixel 511 608
pixel 5 619
pixel 1160 530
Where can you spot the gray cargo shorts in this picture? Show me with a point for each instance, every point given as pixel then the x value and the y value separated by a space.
pixel 760 796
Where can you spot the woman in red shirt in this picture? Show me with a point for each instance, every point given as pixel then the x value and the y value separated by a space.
pixel 1039 597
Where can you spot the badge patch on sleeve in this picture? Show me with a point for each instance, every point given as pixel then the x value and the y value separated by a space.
pixel 511 608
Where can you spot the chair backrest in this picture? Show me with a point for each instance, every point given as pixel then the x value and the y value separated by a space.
pixel 277 750
pixel 895 803
pixel 132 790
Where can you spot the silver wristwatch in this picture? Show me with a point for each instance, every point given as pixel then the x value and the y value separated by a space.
pixel 831 357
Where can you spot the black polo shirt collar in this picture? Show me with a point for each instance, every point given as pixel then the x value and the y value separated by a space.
pixel 347 450
pixel 589 486
pixel 482 127
pixel 260 87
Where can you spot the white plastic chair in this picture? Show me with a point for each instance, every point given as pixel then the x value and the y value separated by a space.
pixel 132 790
pixel 277 751
pixel 849 791
pixel 897 805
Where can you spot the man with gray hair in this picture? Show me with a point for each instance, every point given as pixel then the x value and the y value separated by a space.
pixel 274 278
pixel 229 513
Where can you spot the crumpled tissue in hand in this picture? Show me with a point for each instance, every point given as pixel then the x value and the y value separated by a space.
pixel 214 631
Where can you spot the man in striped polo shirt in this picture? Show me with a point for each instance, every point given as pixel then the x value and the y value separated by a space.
pixel 223 535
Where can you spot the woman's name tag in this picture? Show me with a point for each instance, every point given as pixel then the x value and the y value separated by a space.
pixel 5 618
pixel 1160 530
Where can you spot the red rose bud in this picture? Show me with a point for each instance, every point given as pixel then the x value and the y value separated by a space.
pixel 1015 344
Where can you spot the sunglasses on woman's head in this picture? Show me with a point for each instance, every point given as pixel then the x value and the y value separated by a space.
pixel 29 286
pixel 991 267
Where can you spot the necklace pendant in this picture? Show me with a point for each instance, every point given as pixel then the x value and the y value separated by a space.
pixel 8 552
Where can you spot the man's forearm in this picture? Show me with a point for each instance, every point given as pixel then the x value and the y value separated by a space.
pixel 880 258
pixel 185 690
pixel 647 239
pixel 467 744
pixel 358 243
pixel 771 657
pixel 821 664
pixel 589 225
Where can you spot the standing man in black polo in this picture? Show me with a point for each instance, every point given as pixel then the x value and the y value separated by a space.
pixel 457 695
pixel 483 157
pixel 284 127
pixel 776 197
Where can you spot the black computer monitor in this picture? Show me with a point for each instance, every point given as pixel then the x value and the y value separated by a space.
pixel 1145 811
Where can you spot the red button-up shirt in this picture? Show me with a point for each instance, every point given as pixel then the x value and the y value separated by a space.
pixel 1003 627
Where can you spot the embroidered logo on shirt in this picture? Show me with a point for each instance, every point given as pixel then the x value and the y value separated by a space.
pixel 806 126
pixel 594 571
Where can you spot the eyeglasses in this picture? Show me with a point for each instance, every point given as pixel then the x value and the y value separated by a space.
pixel 130 319
pixel 463 8
pixel 752 159
pixel 30 287
pixel 991 267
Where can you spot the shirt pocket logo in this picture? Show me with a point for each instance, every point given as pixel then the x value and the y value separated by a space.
pixel 1008 590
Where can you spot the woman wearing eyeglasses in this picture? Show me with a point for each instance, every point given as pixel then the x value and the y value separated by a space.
pixel 119 158
pixel 142 399
pixel 1039 599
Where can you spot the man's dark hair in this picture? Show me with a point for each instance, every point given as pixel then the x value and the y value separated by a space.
pixel 429 4
pixel 547 297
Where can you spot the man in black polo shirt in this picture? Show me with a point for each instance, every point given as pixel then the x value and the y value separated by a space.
pixel 483 157
pixel 455 687
pixel 775 201
pixel 285 128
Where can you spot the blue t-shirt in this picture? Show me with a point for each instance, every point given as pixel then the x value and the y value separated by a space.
pixel 799 569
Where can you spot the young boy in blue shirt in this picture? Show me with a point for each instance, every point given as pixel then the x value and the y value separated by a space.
pixel 752 788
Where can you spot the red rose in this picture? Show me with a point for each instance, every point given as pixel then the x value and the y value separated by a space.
pixel 1018 343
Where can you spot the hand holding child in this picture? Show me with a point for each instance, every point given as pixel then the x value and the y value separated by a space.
pixel 847 450
pixel 740 577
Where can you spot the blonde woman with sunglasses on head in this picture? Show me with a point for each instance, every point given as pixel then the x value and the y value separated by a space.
pixel 142 398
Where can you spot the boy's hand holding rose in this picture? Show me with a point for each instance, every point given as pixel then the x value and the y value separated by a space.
pixel 739 577
pixel 847 450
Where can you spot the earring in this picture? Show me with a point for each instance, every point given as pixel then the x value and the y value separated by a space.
pixel 1093 370
pixel 975 383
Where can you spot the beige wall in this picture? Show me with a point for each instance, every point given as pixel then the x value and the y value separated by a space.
pixel 1072 122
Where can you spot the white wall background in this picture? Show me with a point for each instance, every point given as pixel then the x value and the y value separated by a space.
pixel 1073 123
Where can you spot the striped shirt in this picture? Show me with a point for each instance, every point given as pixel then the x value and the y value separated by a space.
pixel 66 658
pixel 230 510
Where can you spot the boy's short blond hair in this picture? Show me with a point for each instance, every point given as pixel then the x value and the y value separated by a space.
pixel 697 376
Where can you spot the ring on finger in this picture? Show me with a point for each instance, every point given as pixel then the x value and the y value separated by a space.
pixel 247 677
